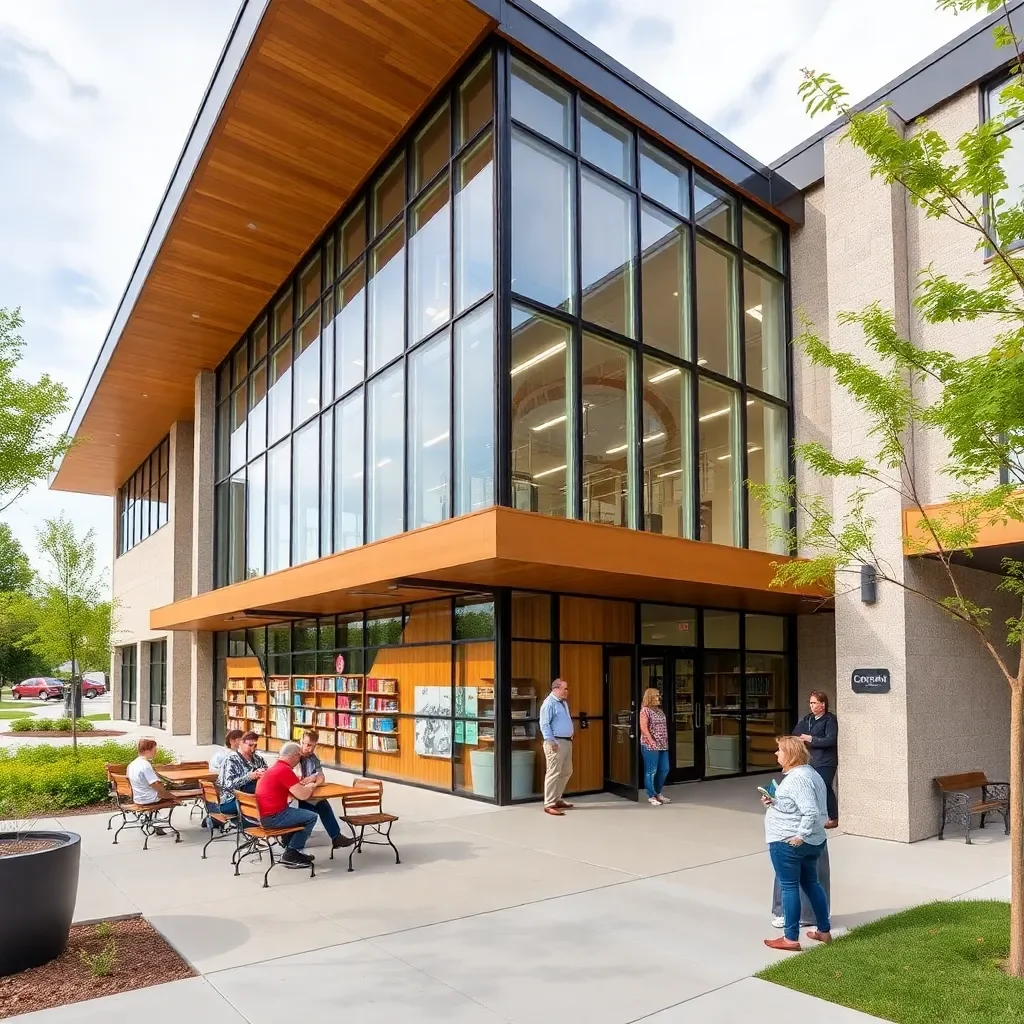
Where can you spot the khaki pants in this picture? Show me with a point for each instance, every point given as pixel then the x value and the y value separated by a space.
pixel 559 771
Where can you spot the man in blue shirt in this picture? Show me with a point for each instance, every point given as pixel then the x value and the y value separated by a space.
pixel 556 728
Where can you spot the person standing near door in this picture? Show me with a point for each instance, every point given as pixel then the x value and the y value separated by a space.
pixel 556 728
pixel 654 746
pixel 820 731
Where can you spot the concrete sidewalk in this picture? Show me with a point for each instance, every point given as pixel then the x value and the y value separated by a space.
pixel 617 912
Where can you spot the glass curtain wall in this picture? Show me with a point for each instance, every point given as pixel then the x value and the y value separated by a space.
pixel 649 359
pixel 158 684
pixel 129 683
pixel 142 501
pixel 362 401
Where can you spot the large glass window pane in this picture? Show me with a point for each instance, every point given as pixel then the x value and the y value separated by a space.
pixel 722 722
pixel 258 410
pixel 722 629
pixel 236 550
pixel 389 195
pixel 543 266
pixel 665 281
pixel 475 101
pixel 306 494
pixel 541 423
pixel 762 239
pixel 717 302
pixel 766 633
pixel 352 237
pixel 664 179
pixel 430 263
pixel 280 399
pixel 349 321
pixel 608 218
pixel 348 473
pixel 385 459
pixel 307 368
pixel 222 536
pixel 387 299
pixel 256 515
pixel 767 462
pixel 222 461
pixel 432 148
pixel 327 350
pixel 326 483
pixel 764 323
pixel 668 473
pixel 719 463
pixel 309 285
pixel 714 209
pixel 474 224
pixel 279 469
pixel 609 435
pixel 429 433
pixel 606 143
pixel 541 104
pixel 474 411
pixel 283 317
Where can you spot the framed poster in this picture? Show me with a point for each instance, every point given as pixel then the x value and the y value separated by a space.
pixel 433 735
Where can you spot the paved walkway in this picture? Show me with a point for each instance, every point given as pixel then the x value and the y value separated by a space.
pixel 615 913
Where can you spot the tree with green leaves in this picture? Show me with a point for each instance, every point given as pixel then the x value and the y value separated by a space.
pixel 29 443
pixel 15 568
pixel 74 624
pixel 975 405
pixel 18 619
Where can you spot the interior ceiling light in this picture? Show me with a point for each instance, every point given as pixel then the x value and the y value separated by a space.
pixel 750 449
pixel 549 423
pixel 538 358
pixel 548 472
pixel 622 447
pixel 671 472
pixel 702 361
pixel 756 312
pixel 664 375
pixel 713 415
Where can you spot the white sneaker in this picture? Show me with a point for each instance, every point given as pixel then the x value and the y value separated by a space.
pixel 778 922
pixel 663 799
pixel 654 801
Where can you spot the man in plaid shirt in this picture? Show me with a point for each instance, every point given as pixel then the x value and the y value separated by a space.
pixel 242 769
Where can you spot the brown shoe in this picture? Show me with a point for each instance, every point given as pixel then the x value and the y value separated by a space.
pixel 562 805
pixel 555 810
pixel 783 943
pixel 832 823
pixel 817 936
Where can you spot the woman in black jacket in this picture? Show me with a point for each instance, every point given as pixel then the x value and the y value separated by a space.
pixel 820 731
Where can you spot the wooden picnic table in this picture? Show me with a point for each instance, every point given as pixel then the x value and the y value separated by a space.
pixel 331 791
pixel 178 776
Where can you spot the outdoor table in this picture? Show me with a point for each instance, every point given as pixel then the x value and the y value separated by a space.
pixel 182 776
pixel 331 791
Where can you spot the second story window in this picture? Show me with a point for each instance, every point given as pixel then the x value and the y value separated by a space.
pixel 142 502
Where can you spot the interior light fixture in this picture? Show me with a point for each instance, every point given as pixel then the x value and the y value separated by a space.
pixel 549 423
pixel 548 472
pixel 671 472
pixel 383 463
pixel 756 312
pixel 436 440
pixel 538 358
pixel 752 448
pixel 622 447
pixel 664 375
pixel 702 361
pixel 713 415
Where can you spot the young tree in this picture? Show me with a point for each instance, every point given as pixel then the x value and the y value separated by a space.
pixel 29 445
pixel 18 618
pixel 73 623
pixel 976 404
pixel 15 569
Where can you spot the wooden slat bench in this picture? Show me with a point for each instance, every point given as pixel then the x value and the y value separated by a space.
pixel 960 803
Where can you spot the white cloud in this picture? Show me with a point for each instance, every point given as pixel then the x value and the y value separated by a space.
pixel 96 100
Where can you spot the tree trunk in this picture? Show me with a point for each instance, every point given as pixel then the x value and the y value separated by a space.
pixel 1015 966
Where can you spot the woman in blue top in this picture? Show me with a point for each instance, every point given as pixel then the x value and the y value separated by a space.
pixel 793 829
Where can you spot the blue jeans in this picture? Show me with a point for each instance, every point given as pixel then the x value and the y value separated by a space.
pixel 797 868
pixel 655 770
pixel 325 812
pixel 289 817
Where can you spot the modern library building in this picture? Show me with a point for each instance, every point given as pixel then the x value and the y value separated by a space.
pixel 443 372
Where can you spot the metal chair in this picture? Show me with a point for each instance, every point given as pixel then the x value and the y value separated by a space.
pixel 112 770
pixel 227 822
pixel 146 817
pixel 257 838
pixel 374 818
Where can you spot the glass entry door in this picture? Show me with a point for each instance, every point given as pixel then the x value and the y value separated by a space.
pixel 622 746
pixel 675 677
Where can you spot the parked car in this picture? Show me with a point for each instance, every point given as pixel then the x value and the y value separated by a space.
pixel 38 687
pixel 92 689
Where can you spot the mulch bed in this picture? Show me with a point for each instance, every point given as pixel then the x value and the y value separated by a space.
pixel 143 958
pixel 42 734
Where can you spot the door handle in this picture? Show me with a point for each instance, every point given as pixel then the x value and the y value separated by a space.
pixel 698 716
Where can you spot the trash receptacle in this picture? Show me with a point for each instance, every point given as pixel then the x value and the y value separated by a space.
pixel 482 764
pixel 522 773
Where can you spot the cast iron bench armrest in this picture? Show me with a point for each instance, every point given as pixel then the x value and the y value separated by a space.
pixel 995 791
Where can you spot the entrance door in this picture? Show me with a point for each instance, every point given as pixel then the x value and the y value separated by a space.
pixel 674 676
pixel 621 743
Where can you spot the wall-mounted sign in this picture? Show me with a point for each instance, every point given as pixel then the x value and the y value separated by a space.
pixel 871 680
pixel 684 627
pixel 339 664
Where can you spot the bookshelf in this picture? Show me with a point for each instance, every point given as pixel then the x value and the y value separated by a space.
pixel 523 700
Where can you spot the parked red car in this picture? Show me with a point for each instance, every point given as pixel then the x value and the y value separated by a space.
pixel 92 689
pixel 39 688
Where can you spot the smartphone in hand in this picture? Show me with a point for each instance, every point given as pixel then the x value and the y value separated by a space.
pixel 766 794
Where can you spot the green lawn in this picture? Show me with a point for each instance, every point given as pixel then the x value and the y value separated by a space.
pixel 11 715
pixel 97 718
pixel 21 705
pixel 939 962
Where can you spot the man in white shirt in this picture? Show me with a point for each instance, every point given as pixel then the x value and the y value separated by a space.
pixel 146 785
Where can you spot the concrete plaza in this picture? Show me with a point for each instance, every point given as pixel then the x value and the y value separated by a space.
pixel 617 912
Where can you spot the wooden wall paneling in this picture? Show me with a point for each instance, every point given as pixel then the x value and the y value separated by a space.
pixel 587 759
pixel 407 764
pixel 428 622
pixel 531 616
pixel 532 661
pixel 607 622
pixel 582 667
pixel 412 667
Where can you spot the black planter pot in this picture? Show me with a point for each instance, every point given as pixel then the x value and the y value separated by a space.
pixel 37 897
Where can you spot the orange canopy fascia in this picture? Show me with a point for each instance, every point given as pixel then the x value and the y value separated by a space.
pixel 917 541
pixel 499 547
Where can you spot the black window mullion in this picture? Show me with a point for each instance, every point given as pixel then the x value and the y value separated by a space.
pixel 741 366
pixel 501 218
pixel 694 376
pixel 574 386
pixel 639 473
pixel 410 158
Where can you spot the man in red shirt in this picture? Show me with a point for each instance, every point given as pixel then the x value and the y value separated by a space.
pixel 273 791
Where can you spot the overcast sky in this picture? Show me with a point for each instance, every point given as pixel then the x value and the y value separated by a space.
pixel 96 98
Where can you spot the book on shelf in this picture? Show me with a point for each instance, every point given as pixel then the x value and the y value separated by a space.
pixel 326 719
pixel 351 702
pixel 382 704
pixel 348 684
pixel 485 692
pixel 350 722
pixel 381 725
pixel 350 740
pixel 300 683
pixel 382 744
pixel 382 686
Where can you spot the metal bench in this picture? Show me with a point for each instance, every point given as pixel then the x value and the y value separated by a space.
pixel 960 803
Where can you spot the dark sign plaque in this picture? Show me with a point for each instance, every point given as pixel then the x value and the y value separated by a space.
pixel 870 680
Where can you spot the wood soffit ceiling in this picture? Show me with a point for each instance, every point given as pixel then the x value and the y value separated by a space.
pixel 498 547
pixel 325 89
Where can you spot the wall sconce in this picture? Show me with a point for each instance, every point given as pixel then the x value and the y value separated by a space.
pixel 868 584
